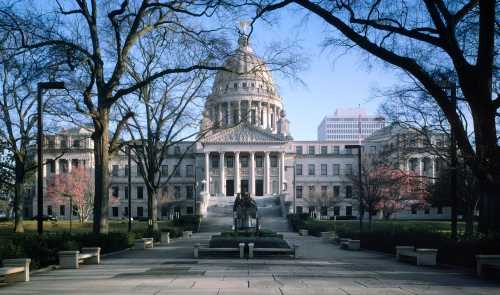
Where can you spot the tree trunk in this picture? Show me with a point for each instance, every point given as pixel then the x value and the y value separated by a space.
pixel 19 198
pixel 370 220
pixel 489 219
pixel 101 153
pixel 469 219
pixel 152 209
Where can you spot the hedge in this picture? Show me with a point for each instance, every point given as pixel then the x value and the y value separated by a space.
pixel 43 249
pixel 260 242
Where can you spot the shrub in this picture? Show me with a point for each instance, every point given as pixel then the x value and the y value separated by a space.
pixel 297 221
pixel 251 233
pixel 43 249
pixel 188 222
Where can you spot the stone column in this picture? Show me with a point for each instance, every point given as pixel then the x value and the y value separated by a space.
pixel 267 174
pixel 251 182
pixel 249 112
pixel 239 112
pixel 228 114
pixel 222 174
pixel 421 166
pixel 237 172
pixel 282 171
pixel 268 116
pixel 207 173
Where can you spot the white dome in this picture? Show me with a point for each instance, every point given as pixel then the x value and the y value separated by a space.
pixel 246 77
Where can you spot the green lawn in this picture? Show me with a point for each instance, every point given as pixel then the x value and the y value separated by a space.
pixel 115 226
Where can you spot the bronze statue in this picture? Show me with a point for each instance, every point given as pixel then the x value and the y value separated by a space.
pixel 244 210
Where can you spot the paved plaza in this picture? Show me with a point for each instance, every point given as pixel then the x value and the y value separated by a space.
pixel 321 268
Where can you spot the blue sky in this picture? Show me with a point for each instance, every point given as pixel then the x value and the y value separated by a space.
pixel 332 80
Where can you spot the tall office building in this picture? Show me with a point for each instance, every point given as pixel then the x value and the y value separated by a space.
pixel 349 125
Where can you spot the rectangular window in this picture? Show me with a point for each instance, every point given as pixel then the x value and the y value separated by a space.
pixel 299 210
pixel 244 162
pixel 324 150
pixel 336 169
pixel 164 171
pixel 413 210
pixel 229 162
pixel 140 212
pixel 126 193
pixel 126 170
pixel 311 170
pixel 140 192
pixel 311 190
pixel 177 171
pixel 324 211
pixel 125 211
pixel 189 192
pixel 115 191
pixel 63 165
pixel 52 165
pixel 49 210
pixel 164 211
pixel 75 163
pixel 427 210
pixel 324 169
pixel 312 150
pixel 298 192
pixel 214 162
pixel 298 150
pixel 336 149
pixel 64 142
pixel 75 210
pixel 189 210
pixel 259 162
pixel 138 171
pixel 348 192
pixel 336 210
pixel 189 170
pixel 177 192
pixel 439 210
pixel 336 191
pixel 348 210
pixel 298 169
pixel 274 162
pixel 114 170
pixel 115 211
pixel 348 169
pixel 62 210
pixel 324 191
pixel 76 143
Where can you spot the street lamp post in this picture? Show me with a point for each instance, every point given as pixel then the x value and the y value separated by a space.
pixel 129 188
pixel 360 189
pixel 40 88
pixel 293 184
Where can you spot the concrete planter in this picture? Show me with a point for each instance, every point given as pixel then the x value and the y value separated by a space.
pixel 303 232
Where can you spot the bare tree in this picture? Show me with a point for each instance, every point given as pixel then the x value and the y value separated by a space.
pixel 425 39
pixel 96 41
pixel 17 128
pixel 166 114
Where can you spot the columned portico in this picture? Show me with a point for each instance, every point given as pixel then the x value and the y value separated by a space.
pixel 237 178
pixel 267 174
pixel 207 173
pixel 252 174
pixel 222 174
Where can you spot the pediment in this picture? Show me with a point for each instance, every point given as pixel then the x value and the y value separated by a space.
pixel 243 134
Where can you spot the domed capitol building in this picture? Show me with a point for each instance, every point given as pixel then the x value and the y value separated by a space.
pixel 248 148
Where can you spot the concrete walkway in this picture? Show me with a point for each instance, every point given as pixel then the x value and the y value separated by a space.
pixel 321 268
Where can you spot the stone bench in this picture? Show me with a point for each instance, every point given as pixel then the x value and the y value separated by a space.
pixel 198 249
pixel 303 232
pixel 144 243
pixel 254 252
pixel 15 270
pixel 487 262
pixel 349 244
pixel 420 256
pixel 187 234
pixel 73 259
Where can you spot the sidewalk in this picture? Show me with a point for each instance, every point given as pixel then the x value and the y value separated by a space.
pixel 321 268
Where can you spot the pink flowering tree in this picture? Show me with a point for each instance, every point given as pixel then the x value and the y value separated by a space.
pixel 77 185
